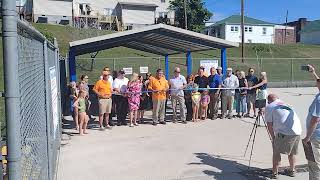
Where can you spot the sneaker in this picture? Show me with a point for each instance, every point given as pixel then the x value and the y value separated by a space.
pixel 136 124
pixel 229 116
pixel 163 122
pixel 290 173
pixel 174 121
pixel 274 176
pixel 102 128
pixel 184 122
pixel 154 124
pixel 131 125
pixel 108 127
pixel 247 115
pixel 223 117
pixel 214 118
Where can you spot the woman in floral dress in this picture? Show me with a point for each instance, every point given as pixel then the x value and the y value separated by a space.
pixel 134 91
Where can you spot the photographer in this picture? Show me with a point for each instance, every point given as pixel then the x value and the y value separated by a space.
pixel 285 129
pixel 313 130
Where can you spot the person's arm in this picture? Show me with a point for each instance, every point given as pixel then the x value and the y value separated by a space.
pixel 313 71
pixel 115 86
pixel 270 129
pixel 310 130
pixel 258 85
pixel 96 91
pixel 76 103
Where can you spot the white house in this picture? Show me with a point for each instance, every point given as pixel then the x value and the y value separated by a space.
pixel 130 13
pixel 256 31
pixel 310 34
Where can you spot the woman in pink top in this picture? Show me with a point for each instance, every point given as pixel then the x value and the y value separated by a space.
pixel 134 91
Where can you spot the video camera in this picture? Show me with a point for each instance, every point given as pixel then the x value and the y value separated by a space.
pixel 261 103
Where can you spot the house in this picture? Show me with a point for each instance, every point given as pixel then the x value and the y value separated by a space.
pixel 310 33
pixel 128 14
pixel 256 31
pixel 284 34
pixel 298 25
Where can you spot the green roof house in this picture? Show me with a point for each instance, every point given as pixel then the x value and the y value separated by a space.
pixel 256 31
pixel 310 34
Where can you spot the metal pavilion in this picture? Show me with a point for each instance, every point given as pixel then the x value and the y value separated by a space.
pixel 158 39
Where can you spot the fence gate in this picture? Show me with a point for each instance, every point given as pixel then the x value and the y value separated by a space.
pixel 40 104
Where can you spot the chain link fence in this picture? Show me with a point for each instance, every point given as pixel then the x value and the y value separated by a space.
pixel 279 69
pixel 40 107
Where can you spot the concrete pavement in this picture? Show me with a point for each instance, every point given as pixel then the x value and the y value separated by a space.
pixel 195 151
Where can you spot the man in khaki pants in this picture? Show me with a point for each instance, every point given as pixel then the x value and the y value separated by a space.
pixel 160 86
pixel 313 131
pixel 177 84
pixel 228 81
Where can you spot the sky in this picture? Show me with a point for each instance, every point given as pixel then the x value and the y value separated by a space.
pixel 268 10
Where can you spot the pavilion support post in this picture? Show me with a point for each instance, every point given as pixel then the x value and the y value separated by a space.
pixel 224 60
pixel 189 63
pixel 167 66
pixel 72 65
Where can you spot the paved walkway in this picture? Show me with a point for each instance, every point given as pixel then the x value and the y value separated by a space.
pixel 195 151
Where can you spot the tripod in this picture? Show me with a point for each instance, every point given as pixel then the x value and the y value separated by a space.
pixel 254 132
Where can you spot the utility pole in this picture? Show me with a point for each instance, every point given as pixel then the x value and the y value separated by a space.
pixel 242 31
pixel 285 29
pixel 185 14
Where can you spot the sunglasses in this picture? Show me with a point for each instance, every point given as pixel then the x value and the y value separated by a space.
pixel 177 71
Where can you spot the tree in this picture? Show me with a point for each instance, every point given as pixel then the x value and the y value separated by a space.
pixel 197 14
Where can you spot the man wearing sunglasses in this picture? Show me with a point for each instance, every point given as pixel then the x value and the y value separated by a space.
pixel 251 94
pixel 103 89
pixel 177 84
pixel 159 85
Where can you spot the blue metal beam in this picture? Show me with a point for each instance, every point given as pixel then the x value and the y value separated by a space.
pixel 167 66
pixel 189 63
pixel 224 60
pixel 72 65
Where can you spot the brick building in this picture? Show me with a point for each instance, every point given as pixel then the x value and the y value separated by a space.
pixel 299 25
pixel 284 34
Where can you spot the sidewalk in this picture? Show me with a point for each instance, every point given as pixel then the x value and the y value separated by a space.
pixel 195 151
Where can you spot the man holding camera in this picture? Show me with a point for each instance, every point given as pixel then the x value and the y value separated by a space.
pixel 313 131
pixel 285 129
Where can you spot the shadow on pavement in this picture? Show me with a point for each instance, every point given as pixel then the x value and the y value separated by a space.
pixel 227 167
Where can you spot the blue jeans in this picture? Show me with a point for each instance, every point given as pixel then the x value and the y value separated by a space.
pixel 241 103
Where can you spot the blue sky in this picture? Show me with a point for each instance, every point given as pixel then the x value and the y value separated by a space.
pixel 267 10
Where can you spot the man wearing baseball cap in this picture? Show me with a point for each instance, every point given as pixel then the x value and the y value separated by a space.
pixel 120 87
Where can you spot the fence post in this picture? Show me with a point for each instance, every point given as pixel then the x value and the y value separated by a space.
pixel 114 64
pixel 48 107
pixel 159 63
pixel 11 82
pixel 291 76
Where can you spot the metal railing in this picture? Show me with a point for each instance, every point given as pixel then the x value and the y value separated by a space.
pixel 32 99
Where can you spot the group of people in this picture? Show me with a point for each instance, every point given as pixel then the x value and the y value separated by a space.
pixel 197 96
pixel 285 129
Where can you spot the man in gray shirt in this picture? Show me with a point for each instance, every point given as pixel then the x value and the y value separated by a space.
pixel 177 84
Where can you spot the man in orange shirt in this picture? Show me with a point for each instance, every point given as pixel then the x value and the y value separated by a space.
pixel 159 85
pixel 103 89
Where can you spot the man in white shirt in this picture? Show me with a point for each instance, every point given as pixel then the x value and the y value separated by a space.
pixel 177 84
pixel 285 130
pixel 120 87
pixel 227 96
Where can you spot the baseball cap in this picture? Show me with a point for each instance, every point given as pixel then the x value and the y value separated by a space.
pixel 219 68
pixel 229 69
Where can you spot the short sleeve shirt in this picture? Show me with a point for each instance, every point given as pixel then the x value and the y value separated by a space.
pixel 177 83
pixel 159 86
pixel 214 82
pixel 285 120
pixel 252 80
pixel 103 87
pixel 121 84
pixel 202 82
pixel 314 111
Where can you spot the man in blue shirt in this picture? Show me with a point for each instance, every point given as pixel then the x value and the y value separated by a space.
pixel 251 94
pixel 313 131
pixel 214 82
